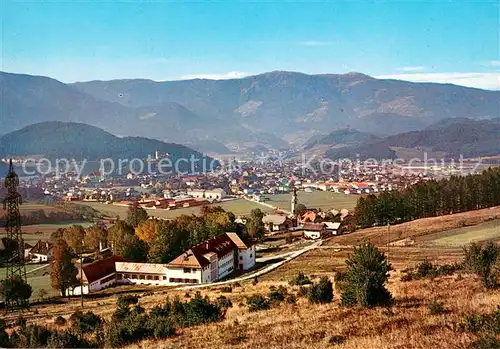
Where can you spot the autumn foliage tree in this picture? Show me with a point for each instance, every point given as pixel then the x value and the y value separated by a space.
pixel 94 236
pixel 74 237
pixel 146 230
pixel 136 215
pixel 63 273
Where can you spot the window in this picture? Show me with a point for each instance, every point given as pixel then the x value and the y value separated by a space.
pixel 250 255
pixel 149 277
pixel 141 277
pixel 157 277
pixel 134 276
pixel 241 258
pixel 187 270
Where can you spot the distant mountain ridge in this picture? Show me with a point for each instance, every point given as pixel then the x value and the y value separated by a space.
pixel 263 109
pixel 79 141
pixel 452 137
pixel 342 138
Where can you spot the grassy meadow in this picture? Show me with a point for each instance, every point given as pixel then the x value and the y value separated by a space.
pixel 324 200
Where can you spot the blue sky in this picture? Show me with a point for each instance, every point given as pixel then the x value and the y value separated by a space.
pixel 164 40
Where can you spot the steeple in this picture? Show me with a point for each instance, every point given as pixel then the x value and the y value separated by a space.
pixel 294 201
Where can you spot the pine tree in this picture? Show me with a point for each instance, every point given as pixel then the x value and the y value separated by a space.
pixel 367 273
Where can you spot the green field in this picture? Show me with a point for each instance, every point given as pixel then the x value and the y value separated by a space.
pixel 35 232
pixel 239 207
pixel 36 279
pixel 463 236
pixel 318 199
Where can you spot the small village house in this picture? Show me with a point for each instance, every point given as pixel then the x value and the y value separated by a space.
pixel 275 222
pixel 314 231
pixel 41 252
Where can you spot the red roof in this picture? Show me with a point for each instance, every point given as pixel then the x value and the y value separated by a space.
pixel 101 268
pixel 314 226
pixel 220 245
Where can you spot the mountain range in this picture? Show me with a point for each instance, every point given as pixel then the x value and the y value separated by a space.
pixel 275 109
pixel 448 138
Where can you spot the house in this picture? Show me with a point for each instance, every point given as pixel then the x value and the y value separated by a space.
pixel 96 276
pixel 141 273
pixel 215 194
pixel 309 216
pixel 276 222
pixel 206 262
pixel 27 249
pixel 333 227
pixel 41 252
pixel 314 230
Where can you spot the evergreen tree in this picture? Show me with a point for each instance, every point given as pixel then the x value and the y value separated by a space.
pixel 367 273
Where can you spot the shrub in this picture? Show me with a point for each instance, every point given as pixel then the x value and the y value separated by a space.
pixel 257 302
pixel 60 321
pixel 425 269
pixel 125 301
pixel 199 310
pixel 4 337
pixel 300 280
pixel 223 302
pixel 484 261
pixel 367 273
pixel 303 291
pixel 291 299
pixel 278 295
pixel 482 324
pixel 15 290
pixel 321 292
pixel 436 307
pixel 226 289
pixel 85 322
pixel 160 327
pixel 408 276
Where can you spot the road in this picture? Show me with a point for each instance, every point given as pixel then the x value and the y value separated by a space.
pixel 283 258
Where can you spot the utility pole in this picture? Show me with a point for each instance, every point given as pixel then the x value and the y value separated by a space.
pixel 388 239
pixel 81 278
pixel 81 274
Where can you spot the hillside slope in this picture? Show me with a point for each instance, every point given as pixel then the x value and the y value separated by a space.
pixel 454 137
pixel 80 141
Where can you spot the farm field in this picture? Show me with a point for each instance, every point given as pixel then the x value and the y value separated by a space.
pixel 27 207
pixel 36 279
pixel 318 199
pixel 239 207
pixel 461 236
pixel 33 233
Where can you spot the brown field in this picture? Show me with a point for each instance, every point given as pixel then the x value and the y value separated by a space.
pixel 379 235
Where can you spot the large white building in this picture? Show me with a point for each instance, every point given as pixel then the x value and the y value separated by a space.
pixel 96 276
pixel 209 261
pixel 214 194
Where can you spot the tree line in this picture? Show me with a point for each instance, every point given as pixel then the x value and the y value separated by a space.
pixel 431 198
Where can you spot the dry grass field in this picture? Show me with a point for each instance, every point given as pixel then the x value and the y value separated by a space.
pixel 407 324
pixel 379 235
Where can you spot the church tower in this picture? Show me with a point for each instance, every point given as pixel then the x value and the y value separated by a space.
pixel 294 202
